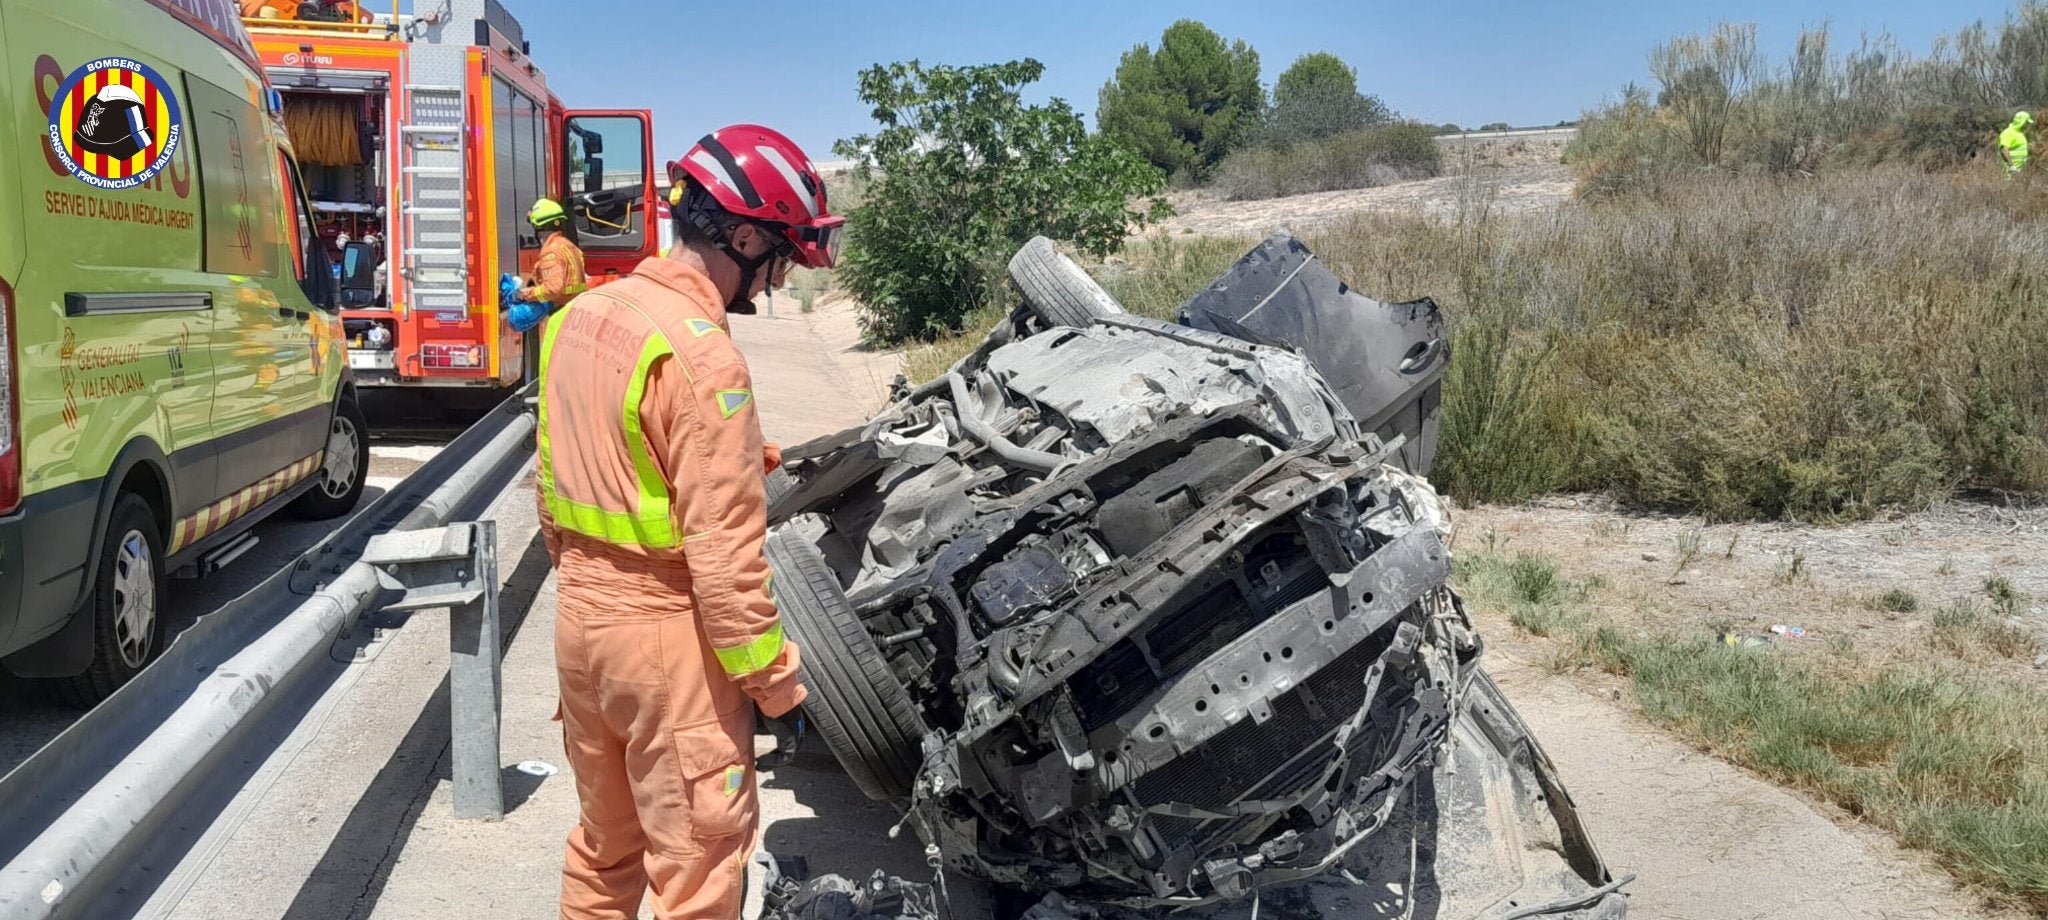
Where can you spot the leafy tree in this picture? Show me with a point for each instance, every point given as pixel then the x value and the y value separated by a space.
pixel 1317 97
pixel 1496 126
pixel 1311 72
pixel 1187 104
pixel 961 173
pixel 1449 127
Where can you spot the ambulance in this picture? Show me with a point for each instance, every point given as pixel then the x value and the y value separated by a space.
pixel 172 367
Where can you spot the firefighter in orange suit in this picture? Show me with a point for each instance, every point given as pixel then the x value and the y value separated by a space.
pixel 653 505
pixel 558 273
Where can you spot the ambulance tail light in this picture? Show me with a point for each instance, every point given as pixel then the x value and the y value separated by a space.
pixel 10 406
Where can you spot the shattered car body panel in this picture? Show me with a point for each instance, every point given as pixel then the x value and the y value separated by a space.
pixel 1173 625
pixel 1382 360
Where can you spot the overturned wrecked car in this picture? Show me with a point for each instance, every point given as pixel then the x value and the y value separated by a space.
pixel 1146 615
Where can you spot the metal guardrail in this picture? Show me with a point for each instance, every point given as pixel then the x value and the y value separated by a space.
pixel 456 568
pixel 126 785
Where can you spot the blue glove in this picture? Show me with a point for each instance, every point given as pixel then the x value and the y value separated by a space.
pixel 526 314
pixel 522 314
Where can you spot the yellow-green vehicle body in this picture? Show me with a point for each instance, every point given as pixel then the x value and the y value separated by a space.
pixel 174 341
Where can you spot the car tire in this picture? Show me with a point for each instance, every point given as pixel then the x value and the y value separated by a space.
pixel 779 485
pixel 125 605
pixel 1056 290
pixel 856 703
pixel 344 466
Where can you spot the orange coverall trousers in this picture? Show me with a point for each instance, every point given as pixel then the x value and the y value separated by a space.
pixel 663 769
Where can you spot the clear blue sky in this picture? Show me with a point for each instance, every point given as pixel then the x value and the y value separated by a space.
pixel 700 64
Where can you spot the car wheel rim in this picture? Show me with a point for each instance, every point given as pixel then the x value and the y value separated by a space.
pixel 134 600
pixel 339 473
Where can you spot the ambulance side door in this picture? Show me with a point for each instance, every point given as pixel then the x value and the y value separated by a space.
pixel 268 413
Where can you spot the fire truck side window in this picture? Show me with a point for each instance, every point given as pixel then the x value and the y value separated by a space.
pixel 515 150
pixel 523 166
pixel 511 210
pixel 606 183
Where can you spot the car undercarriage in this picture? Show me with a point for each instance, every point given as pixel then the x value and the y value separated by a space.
pixel 1142 615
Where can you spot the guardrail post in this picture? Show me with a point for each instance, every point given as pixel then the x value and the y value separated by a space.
pixel 456 567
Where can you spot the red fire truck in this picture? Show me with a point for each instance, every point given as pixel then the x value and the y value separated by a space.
pixel 423 138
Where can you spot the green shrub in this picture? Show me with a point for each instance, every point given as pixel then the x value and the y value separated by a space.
pixel 1357 159
pixel 961 173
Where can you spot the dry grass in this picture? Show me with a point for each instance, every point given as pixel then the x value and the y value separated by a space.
pixel 1364 158
pixel 1953 761
pixel 1741 348
pixel 1721 105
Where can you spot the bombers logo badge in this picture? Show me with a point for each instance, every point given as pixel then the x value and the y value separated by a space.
pixel 114 123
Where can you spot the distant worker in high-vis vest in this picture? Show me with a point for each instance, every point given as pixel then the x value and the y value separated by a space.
pixel 2012 143
pixel 653 503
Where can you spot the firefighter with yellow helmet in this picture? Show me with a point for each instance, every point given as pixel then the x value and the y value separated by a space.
pixel 559 275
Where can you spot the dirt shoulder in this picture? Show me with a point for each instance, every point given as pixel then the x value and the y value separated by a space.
pixel 1673 575
pixel 1513 189
pixel 1507 175
pixel 1709 839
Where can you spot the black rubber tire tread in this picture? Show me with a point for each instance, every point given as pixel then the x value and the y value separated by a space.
pixel 1055 289
pixel 107 673
pixel 780 484
pixel 863 712
pixel 316 504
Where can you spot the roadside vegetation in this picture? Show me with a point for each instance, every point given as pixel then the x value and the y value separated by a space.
pixel 1721 107
pixel 1359 158
pixel 959 173
pixel 1740 340
pixel 1196 109
pixel 1930 745
pixel 1738 347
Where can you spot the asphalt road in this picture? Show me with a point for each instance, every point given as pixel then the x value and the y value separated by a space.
pixel 407 430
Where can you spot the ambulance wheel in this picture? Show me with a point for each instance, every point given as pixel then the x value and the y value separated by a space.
pixel 125 605
pixel 344 466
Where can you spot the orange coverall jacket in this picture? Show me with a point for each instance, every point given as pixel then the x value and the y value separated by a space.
pixel 667 637
pixel 559 273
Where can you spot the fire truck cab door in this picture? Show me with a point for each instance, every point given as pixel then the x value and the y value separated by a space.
pixel 608 187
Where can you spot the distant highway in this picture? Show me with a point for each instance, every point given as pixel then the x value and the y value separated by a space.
pixel 1562 134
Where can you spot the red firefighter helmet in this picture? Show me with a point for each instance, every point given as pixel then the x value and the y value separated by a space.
pixel 755 173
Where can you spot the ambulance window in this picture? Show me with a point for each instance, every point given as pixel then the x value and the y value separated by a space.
pixel 241 201
pixel 299 230
pixel 607 180
pixel 309 254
